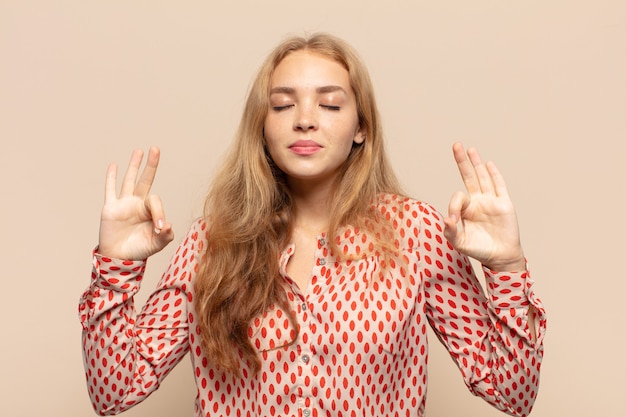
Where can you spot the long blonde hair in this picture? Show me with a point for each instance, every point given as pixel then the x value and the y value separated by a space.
pixel 249 210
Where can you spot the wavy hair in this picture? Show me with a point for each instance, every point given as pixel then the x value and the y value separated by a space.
pixel 249 210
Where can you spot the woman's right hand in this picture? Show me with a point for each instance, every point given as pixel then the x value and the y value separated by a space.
pixel 132 225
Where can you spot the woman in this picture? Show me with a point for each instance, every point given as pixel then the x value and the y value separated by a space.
pixel 307 286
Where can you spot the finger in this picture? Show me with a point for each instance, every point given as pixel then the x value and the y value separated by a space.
pixel 128 184
pixel 110 184
pixel 450 230
pixel 498 180
pixel 458 203
pixel 482 174
pixel 144 183
pixel 154 206
pixel 161 228
pixel 466 169
pixel 166 235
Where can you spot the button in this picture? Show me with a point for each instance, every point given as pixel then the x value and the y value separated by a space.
pixel 306 412
pixel 322 241
pixel 322 261
pixel 305 358
pixel 303 306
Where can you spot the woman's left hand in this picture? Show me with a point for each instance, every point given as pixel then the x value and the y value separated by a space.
pixel 482 223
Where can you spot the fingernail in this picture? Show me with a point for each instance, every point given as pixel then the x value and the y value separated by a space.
pixel 157 231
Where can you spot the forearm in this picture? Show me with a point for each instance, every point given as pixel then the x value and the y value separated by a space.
pixel 490 338
pixel 512 350
pixel 116 372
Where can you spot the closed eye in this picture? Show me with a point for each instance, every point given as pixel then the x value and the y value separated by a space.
pixel 328 107
pixel 281 108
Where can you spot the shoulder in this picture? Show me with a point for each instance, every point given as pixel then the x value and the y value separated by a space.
pixel 411 220
pixel 197 236
pixel 399 207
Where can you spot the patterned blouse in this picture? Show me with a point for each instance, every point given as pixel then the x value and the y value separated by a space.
pixel 362 347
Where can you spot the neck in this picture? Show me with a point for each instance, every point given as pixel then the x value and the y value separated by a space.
pixel 312 202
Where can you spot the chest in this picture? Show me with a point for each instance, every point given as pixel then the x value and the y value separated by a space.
pixel 303 259
pixel 347 303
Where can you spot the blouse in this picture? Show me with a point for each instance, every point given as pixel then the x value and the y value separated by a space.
pixel 361 348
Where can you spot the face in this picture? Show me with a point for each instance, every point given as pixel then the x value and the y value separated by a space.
pixel 312 121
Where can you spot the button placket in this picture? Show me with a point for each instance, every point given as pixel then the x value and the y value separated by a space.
pixel 303 358
pixel 321 243
pixel 306 381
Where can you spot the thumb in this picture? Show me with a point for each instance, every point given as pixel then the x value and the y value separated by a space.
pixel 164 233
pixel 452 232
pixel 451 229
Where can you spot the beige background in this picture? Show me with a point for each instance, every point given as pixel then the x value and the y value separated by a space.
pixel 538 86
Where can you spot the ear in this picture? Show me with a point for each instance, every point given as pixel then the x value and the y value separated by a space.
pixel 359 136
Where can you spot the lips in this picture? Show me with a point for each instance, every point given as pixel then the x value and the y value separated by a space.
pixel 305 147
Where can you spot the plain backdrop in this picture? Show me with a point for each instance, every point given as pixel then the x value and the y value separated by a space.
pixel 537 86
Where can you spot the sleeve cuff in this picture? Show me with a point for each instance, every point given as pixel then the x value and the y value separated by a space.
pixel 117 274
pixel 508 289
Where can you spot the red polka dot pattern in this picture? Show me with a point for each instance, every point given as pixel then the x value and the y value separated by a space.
pixel 361 349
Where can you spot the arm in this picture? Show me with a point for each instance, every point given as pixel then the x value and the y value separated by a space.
pixel 488 336
pixel 127 356
pixel 118 359
pixel 482 224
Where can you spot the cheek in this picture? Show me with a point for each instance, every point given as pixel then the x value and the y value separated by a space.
pixel 269 133
pixel 272 148
pixel 344 134
pixel 272 128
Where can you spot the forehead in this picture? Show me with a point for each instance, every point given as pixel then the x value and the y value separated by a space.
pixel 305 68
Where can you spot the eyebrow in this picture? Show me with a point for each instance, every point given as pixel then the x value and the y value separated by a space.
pixel 319 90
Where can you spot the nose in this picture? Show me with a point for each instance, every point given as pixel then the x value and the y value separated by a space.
pixel 306 119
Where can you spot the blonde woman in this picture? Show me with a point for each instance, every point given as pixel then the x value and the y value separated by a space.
pixel 307 286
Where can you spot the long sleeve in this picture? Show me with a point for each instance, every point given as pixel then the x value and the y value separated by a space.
pixel 362 344
pixel 488 336
pixel 126 356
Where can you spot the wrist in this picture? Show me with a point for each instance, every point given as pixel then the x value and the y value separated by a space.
pixel 513 265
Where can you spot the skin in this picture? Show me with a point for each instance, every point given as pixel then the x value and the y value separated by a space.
pixel 132 224
pixel 481 222
pixel 311 99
